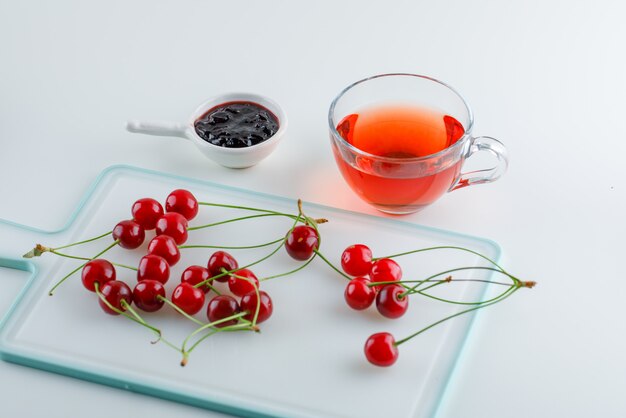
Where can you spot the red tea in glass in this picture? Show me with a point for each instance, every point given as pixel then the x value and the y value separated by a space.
pixel 398 132
pixel 400 141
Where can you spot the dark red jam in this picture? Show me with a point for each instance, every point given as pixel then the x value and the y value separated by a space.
pixel 236 125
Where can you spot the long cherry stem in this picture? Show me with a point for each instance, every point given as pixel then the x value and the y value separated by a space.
pixel 243 218
pixel 180 311
pixel 512 290
pixel 442 247
pixel 516 281
pixel 80 267
pixel 222 247
pixel 83 242
pixel 89 259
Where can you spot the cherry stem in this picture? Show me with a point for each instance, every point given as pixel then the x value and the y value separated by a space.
pixel 516 281
pixel 232 328
pixel 135 318
pixel 258 297
pixel 282 242
pixel 81 266
pixel 442 247
pixel 289 272
pixel 180 311
pixel 83 242
pixel 232 248
pixel 89 259
pixel 241 219
pixel 505 295
pixel 332 265
pixel 209 325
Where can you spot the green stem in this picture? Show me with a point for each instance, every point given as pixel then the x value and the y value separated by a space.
pixel 89 259
pixel 442 247
pixel 237 327
pixel 515 279
pixel 243 218
pixel 80 267
pixel 180 311
pixel 209 325
pixel 506 295
pixel 221 247
pixel 136 317
pixel 289 272
pixel 222 205
pixel 332 265
pixel 83 242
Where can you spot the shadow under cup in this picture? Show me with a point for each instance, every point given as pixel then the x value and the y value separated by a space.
pixel 400 141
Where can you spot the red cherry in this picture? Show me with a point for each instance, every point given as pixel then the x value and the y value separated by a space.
pixel 389 303
pixel 146 212
pixel 194 275
pixel 385 270
pixel 129 234
pixel 221 260
pixel 115 292
pixel 381 349
pixel 165 246
pixel 221 307
pixel 183 202
pixel 153 267
pixel 97 271
pixel 146 295
pixel 358 294
pixel 173 224
pixel 249 303
pixel 188 298
pixel 301 242
pixel 356 260
pixel 242 286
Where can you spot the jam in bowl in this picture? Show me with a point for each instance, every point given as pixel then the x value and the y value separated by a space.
pixel 236 130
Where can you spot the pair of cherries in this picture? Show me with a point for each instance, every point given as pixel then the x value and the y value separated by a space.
pixel 356 260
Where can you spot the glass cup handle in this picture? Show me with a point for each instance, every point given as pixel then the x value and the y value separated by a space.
pixel 487 175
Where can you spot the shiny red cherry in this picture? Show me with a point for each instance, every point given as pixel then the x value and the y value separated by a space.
pixel 189 299
pixel 146 295
pixel 174 225
pixel 358 294
pixel 239 285
pixel 301 242
pixel 194 275
pixel 221 260
pixel 115 292
pixel 153 267
pixel 381 350
pixel 356 260
pixel 249 303
pixel 164 246
pixel 183 202
pixel 389 302
pixel 221 307
pixel 129 234
pixel 97 271
pixel 146 212
pixel 385 270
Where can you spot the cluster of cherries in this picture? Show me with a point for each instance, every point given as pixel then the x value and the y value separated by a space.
pixel 376 280
pixel 245 305
pixel 370 279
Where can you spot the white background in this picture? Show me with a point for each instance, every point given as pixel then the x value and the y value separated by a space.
pixel 546 77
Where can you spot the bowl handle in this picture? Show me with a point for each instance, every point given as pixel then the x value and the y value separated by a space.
pixel 157 128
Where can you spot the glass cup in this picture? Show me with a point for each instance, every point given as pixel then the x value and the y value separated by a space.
pixel 400 141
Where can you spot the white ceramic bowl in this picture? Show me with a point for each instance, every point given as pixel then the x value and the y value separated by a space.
pixel 228 157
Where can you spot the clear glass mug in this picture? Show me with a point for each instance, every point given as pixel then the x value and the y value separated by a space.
pixel 387 150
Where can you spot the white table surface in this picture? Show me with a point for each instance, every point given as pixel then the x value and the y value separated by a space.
pixel 546 77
